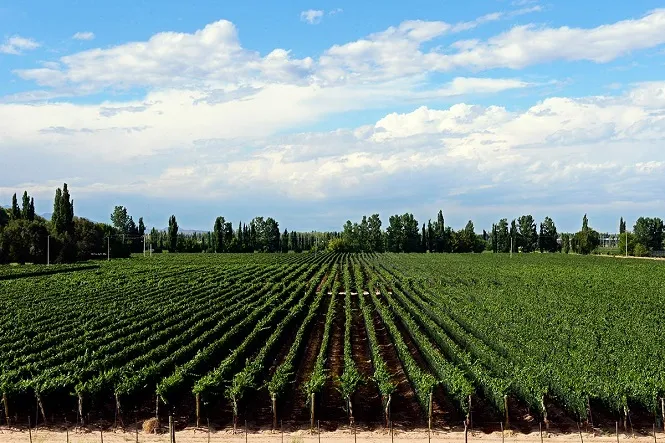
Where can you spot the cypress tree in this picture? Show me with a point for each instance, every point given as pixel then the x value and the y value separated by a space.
pixel 31 210
pixel 56 217
pixel 16 211
pixel 25 207
pixel 173 234
pixel 141 227
pixel 67 211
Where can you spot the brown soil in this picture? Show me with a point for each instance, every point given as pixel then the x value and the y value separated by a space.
pixel 404 407
pixel 367 407
pixel 294 406
pixel 379 436
pixel 331 404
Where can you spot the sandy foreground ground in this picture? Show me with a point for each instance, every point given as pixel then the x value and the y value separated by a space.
pixel 199 436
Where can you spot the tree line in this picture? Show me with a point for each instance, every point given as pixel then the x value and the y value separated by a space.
pixel 26 237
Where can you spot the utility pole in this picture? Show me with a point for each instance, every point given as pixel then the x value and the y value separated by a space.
pixel 48 250
pixel 108 248
pixel 626 242
pixel 511 246
pixel 144 245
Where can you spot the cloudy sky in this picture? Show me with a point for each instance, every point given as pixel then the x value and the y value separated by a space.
pixel 315 112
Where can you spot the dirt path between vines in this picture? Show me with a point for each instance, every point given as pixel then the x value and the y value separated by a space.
pixel 380 436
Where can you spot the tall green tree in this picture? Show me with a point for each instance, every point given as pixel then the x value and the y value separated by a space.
pixel 16 211
pixel 173 234
pixel 67 208
pixel 218 234
pixel 548 236
pixel 502 236
pixel 284 240
pixel 649 233
pixel 586 240
pixel 25 207
pixel 120 219
pixel 513 235
pixel 376 240
pixel 141 227
pixel 528 235
pixel 4 217
pixel 31 209
pixel 395 234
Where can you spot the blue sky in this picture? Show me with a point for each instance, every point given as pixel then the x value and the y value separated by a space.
pixel 319 112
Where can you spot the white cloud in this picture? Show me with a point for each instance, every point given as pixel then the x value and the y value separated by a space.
pixel 312 16
pixel 213 57
pixel 207 124
pixel 84 36
pixel 561 149
pixel 16 45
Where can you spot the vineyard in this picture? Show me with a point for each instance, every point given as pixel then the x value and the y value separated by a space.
pixel 483 340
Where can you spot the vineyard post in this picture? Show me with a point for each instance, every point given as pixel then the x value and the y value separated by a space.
pixel 157 407
pixel 67 434
pixel 198 410
pixel 540 426
pixel 429 415
pixel 311 422
pixel 5 404
pixel 245 431
pixel 547 423
pixel 208 430
pixel 505 406
pixel 318 425
pixel 29 429
pixel 274 411
pixel 503 435
pixel 470 413
pixel 392 437
pixel 281 429
pixel 118 412
pixel 616 424
pixel 136 429
pixel 588 403
pixel 170 429
pixel 655 439
pixel 388 418
pixel 81 409
pixel 662 409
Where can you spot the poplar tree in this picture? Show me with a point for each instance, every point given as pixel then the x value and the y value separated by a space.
pixel 16 211
pixel 173 234
pixel 25 207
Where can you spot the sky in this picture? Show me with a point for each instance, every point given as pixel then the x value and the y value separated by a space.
pixel 317 112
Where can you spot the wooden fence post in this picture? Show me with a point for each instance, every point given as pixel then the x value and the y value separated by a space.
pixel 198 410
pixel 81 409
pixel 540 426
pixel 5 403
pixel 311 424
